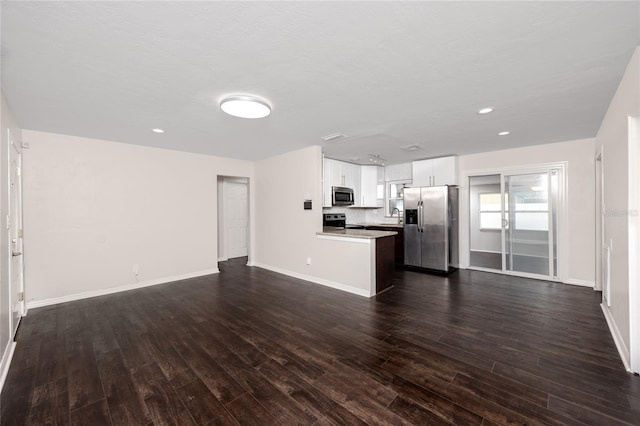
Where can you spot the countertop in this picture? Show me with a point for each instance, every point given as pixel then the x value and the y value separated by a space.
pixel 386 225
pixel 358 233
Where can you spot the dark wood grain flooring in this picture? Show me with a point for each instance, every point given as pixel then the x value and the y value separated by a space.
pixel 249 346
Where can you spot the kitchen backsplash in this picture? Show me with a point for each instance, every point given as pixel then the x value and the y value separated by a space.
pixel 362 215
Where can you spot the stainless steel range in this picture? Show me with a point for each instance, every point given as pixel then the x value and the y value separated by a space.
pixel 333 221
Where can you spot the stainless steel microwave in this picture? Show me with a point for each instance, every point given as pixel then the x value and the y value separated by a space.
pixel 341 196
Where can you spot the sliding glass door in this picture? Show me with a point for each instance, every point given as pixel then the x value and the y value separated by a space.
pixel 514 222
pixel 485 220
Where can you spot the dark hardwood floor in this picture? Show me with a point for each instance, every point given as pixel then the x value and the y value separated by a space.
pixel 250 346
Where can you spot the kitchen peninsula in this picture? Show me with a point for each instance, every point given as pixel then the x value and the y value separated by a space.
pixel 381 243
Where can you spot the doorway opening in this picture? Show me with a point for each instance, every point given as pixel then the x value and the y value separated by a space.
pixel 514 221
pixel 233 217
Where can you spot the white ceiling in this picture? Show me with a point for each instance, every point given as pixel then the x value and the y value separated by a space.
pixel 388 74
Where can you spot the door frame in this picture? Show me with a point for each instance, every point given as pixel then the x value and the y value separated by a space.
pixel 562 234
pixel 222 214
pixel 634 241
pixel 15 151
pixel 602 269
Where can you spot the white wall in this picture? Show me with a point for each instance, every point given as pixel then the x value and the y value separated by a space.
pixel 579 155
pixel 286 234
pixel 613 138
pixel 93 209
pixel 7 121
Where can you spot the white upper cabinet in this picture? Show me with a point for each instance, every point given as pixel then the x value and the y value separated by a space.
pixel 350 176
pixel 370 177
pixel 333 175
pixel 445 171
pixel 326 182
pixel 339 173
pixel 436 171
pixel 397 172
pixel 364 181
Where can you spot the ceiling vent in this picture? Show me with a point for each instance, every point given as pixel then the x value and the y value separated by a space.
pixel 412 147
pixel 334 137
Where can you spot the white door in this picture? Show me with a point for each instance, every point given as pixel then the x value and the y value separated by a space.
pixel 236 219
pixel 15 235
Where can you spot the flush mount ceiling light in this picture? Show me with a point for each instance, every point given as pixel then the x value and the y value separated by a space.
pixel 486 110
pixel 505 133
pixel 245 106
pixel 157 130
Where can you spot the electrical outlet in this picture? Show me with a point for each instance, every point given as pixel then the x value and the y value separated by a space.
pixel 136 269
pixel 308 261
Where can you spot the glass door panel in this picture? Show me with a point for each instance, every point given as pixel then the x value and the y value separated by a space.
pixel 528 233
pixel 485 222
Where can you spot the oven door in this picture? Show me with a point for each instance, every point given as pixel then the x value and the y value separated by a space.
pixel 341 196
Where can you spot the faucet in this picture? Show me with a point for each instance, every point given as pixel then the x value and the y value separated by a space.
pixel 395 209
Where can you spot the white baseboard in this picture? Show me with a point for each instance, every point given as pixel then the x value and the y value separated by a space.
pixel 223 259
pixel 7 356
pixel 102 292
pixel 583 283
pixel 617 338
pixel 316 280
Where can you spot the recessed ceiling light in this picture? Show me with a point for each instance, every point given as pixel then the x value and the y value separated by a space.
pixel 486 110
pixel 245 106
pixel 157 130
pixel 505 133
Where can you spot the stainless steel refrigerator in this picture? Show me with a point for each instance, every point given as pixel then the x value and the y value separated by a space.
pixel 431 228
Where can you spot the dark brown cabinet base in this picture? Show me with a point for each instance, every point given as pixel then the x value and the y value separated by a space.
pixel 385 265
pixel 399 241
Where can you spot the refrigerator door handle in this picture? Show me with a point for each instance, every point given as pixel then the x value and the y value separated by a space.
pixel 420 219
